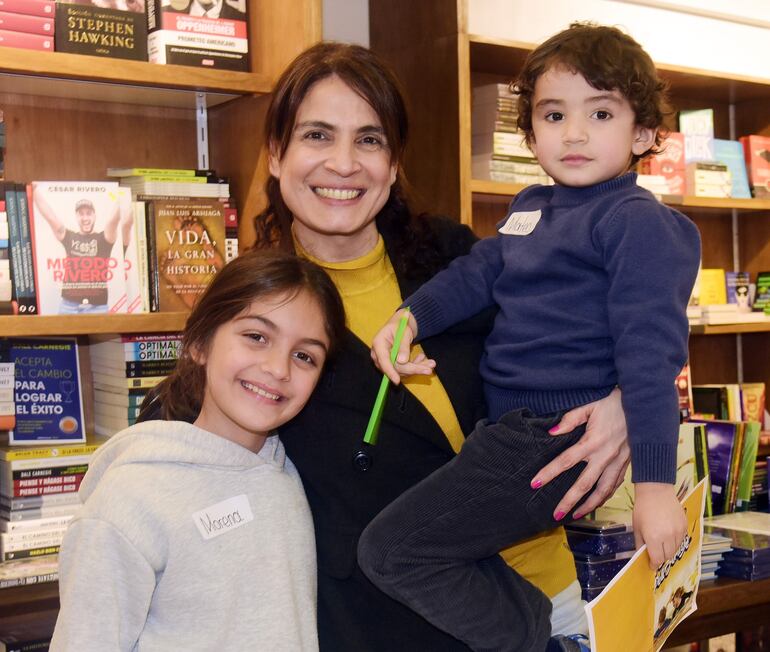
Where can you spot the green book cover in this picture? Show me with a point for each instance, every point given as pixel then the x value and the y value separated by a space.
pixel 747 465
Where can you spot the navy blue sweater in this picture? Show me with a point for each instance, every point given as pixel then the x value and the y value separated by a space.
pixel 592 286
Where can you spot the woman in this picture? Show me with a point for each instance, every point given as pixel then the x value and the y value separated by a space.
pixel 336 130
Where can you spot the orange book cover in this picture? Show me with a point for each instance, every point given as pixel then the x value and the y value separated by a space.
pixel 756 150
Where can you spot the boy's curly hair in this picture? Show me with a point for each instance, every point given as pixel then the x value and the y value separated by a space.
pixel 609 60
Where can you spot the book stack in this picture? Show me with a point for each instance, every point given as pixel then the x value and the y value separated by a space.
pixel 749 534
pixel 125 368
pixel 115 29
pixel 756 153
pixel 667 169
pixel 20 248
pixel 715 545
pixel 708 179
pixel 27 24
pixel 38 497
pixel 189 33
pixel 601 548
pixel 499 150
pixel 171 182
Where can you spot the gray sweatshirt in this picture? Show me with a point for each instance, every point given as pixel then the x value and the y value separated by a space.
pixel 188 541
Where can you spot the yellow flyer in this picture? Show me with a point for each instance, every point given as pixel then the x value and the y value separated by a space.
pixel 640 607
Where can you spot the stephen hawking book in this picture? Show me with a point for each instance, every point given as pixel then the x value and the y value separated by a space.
pixel 77 242
pixel 187 247
pixel 49 406
pixel 82 27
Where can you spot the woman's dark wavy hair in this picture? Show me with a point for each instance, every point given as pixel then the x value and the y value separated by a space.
pixel 365 73
pixel 609 60
pixel 251 276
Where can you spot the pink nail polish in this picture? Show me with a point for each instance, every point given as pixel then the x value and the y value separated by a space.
pixel 559 515
pixel 553 430
pixel 536 484
pixel 576 516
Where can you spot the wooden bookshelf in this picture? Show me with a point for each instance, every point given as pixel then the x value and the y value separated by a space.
pixel 156 322
pixel 725 329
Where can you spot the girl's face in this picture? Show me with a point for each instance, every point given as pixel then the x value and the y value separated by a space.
pixel 336 173
pixel 261 368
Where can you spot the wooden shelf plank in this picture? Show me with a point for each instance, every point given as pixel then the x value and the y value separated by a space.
pixel 486 187
pixel 52 325
pixel 727 329
pixel 121 80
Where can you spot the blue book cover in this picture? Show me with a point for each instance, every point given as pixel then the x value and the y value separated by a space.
pixel 730 152
pixel 47 392
pixel 720 438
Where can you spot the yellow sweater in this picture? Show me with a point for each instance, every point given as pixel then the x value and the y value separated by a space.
pixel 370 293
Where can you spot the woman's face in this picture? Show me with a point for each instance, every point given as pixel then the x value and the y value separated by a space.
pixel 336 173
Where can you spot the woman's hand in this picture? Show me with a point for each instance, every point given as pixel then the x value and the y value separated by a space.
pixel 604 446
pixel 403 366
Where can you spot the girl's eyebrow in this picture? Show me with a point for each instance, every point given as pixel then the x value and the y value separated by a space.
pixel 271 325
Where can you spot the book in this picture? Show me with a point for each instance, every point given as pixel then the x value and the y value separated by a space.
pixel 730 152
pixel 746 466
pixel 138 172
pixel 756 154
pixel 78 247
pixel 11 453
pixel 698 128
pixel 683 384
pixel 29 571
pixel 654 601
pixel 737 285
pixel 670 163
pixel 24 291
pixel 753 401
pixel 712 287
pixel 179 33
pixel 38 502
pixel 26 41
pixel 187 247
pixel 102 380
pixel 49 406
pixel 761 301
pixel 45 8
pixel 141 186
pixel 83 27
pixel 131 240
pixel 26 23
pixel 127 399
pixel 720 442
pixel 137 347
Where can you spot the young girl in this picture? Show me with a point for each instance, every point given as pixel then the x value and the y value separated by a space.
pixel 198 535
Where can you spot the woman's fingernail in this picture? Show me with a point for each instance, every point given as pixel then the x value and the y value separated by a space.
pixel 536 484
pixel 577 515
pixel 559 515
pixel 553 430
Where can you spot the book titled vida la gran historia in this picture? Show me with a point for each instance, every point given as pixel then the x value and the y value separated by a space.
pixel 187 247
pixel 47 391
pixel 83 27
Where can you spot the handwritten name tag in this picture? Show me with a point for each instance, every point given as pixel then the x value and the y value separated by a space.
pixel 522 223
pixel 223 517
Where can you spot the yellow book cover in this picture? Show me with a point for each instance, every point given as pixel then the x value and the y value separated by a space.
pixel 712 286
pixel 653 602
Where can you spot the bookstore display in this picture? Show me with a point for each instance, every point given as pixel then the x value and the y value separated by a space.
pixel 100 138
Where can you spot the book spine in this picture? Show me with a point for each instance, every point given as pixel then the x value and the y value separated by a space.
pixel 135 369
pixel 56 485
pixel 152 254
pixel 41 578
pixel 37 463
pixel 26 23
pixel 55 452
pixel 25 41
pixel 45 8
pixel 145 382
pixel 14 232
pixel 29 553
pixel 28 262
pixel 38 502
pixel 52 523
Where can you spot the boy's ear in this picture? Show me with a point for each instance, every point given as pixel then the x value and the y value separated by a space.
pixel 644 139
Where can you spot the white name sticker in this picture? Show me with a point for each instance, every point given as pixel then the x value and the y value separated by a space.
pixel 522 223
pixel 223 517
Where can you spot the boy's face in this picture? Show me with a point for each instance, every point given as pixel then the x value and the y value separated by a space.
pixel 582 135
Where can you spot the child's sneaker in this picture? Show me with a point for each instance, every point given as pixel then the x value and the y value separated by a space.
pixel 571 643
